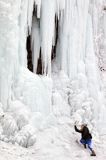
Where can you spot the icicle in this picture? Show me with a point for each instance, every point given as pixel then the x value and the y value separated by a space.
pixel 35 42
pixel 47 32
pixel 30 13
pixel 38 3
pixel 31 5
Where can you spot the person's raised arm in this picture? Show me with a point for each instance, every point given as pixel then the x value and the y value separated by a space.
pixel 76 129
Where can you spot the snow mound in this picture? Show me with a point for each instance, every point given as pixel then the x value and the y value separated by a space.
pixel 20 112
pixel 8 124
pixel 26 137
pixel 15 127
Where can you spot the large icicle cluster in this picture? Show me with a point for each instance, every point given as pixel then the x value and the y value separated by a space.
pixel 72 18
pixel 42 28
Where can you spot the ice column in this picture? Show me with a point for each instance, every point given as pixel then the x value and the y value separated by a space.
pixel 72 35
pixel 47 33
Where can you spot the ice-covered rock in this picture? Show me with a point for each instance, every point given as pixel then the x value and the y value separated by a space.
pixel 8 124
pixel 20 113
pixel 26 137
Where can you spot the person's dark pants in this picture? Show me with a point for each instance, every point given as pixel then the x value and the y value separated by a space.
pixel 87 142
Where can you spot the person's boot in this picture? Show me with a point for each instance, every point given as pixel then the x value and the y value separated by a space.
pixel 85 146
pixel 93 153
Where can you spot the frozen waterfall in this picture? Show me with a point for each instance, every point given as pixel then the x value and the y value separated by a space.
pixel 66 35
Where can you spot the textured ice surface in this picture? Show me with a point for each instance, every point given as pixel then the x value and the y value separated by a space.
pixel 30 102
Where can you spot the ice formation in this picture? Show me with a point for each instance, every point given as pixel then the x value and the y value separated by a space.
pixel 69 38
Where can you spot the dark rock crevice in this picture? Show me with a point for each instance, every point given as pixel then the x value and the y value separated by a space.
pixel 56 38
pixel 29 54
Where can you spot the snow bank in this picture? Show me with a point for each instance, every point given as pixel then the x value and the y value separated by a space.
pixel 15 125
pixel 26 137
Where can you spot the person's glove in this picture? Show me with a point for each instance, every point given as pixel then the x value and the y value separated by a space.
pixel 76 122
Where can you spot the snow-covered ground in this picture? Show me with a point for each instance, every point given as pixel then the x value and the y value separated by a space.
pixel 53 146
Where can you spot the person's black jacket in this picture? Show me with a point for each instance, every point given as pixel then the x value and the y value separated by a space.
pixel 84 133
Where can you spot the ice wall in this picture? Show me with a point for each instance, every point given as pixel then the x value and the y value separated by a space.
pixel 9 63
pixel 72 18
pixel 15 24
pixel 76 48
pixel 98 13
